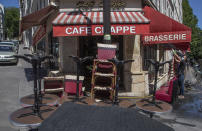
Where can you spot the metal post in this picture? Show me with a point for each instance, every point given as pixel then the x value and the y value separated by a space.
pixel 77 79
pixel 116 101
pixel 36 102
pixel 155 81
pixel 39 82
pixel 106 21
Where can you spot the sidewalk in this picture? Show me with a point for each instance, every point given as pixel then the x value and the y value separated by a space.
pixel 14 85
pixel 25 83
pixel 187 113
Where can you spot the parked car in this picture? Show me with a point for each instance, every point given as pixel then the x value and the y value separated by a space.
pixel 10 43
pixel 7 53
pixel 16 43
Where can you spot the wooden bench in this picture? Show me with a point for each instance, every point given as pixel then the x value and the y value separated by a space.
pixel 53 84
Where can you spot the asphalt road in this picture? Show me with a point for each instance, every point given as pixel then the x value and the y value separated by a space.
pixel 13 85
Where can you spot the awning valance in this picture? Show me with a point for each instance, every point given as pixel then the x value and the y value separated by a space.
pixel 167 37
pixel 73 18
pixel 91 23
pixel 165 30
pixel 36 18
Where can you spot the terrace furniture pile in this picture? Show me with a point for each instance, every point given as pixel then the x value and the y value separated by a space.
pixel 104 72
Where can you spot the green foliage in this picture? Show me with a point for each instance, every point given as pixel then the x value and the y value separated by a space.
pixel 191 20
pixel 12 22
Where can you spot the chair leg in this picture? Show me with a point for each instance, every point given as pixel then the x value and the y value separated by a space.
pixel 92 94
pixel 112 95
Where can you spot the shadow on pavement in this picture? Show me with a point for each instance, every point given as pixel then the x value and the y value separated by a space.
pixel 8 64
pixel 29 73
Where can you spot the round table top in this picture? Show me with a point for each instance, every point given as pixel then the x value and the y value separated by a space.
pixel 89 101
pixel 33 121
pixel 146 106
pixel 47 99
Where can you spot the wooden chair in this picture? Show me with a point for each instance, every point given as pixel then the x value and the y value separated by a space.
pixel 53 84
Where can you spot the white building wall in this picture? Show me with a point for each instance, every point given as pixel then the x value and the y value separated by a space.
pixel 28 7
pixel 70 5
pixel 1 22
pixel 171 8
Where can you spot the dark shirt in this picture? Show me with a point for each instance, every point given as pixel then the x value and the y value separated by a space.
pixel 181 67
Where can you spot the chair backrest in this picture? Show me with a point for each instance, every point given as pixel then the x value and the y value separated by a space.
pixel 170 89
pixel 53 84
pixel 106 51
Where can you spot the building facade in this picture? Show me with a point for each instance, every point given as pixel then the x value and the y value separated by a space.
pixel 2 13
pixel 172 9
pixel 27 7
pixel 67 33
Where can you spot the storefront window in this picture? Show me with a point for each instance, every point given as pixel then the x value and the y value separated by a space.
pixel 54 51
pixel 162 53
pixel 149 53
pixel 88 47
pixel 40 47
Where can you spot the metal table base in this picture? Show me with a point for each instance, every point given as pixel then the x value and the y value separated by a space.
pixel 20 119
pixel 145 106
pixel 47 99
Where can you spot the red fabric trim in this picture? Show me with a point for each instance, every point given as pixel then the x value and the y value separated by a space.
pixel 36 18
pixel 162 23
pixel 88 30
pixel 167 37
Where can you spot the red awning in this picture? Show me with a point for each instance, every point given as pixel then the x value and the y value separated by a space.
pixel 179 46
pixel 162 23
pixel 91 23
pixel 39 34
pixel 164 30
pixel 36 18
pixel 65 18
pixel 167 37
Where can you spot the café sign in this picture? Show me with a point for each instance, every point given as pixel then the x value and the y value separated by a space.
pixel 167 37
pixel 86 30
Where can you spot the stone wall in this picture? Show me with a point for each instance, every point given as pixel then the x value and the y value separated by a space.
pixel 68 46
pixel 134 78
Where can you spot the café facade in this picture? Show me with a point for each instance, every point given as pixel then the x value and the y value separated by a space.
pixel 139 31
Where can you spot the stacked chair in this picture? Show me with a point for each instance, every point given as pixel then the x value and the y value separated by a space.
pixel 104 71
pixel 70 82
pixel 53 84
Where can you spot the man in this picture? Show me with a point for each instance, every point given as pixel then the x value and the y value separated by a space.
pixel 181 59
